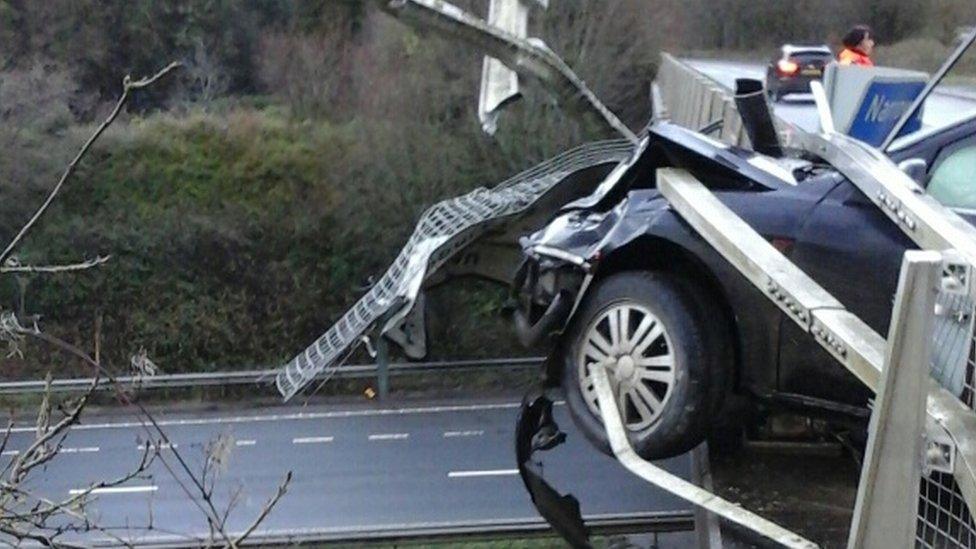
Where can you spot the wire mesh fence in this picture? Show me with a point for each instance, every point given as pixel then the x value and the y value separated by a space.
pixel 945 518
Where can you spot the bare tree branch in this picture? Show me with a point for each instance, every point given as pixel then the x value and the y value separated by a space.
pixel 25 516
pixel 282 489
pixel 128 85
pixel 13 265
pixel 200 495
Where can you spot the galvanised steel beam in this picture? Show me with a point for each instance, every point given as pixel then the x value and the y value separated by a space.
pixel 529 58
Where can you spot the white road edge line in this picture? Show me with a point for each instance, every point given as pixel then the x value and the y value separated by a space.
pixel 389 436
pixel 311 440
pixel 293 416
pixel 456 434
pixel 114 490
pixel 484 473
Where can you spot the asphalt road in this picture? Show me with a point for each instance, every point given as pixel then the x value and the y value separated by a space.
pixel 943 107
pixel 357 468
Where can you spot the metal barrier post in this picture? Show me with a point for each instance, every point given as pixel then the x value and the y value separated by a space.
pixel 382 367
pixel 887 497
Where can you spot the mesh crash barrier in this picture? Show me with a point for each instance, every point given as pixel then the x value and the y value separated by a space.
pixel 944 516
pixel 443 230
pixel 944 519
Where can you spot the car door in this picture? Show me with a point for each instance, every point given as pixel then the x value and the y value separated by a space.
pixel 849 247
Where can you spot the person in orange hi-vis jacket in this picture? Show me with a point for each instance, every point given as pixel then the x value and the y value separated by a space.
pixel 858 45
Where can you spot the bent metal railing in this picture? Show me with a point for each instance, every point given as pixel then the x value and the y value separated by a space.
pixel 690 99
pixel 918 477
pixel 695 101
pixel 442 232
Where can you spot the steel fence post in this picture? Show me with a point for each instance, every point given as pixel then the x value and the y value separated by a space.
pixel 887 495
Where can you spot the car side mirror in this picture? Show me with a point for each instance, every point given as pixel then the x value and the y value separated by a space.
pixel 916 168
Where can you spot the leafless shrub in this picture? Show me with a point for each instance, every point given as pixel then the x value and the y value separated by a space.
pixel 205 77
pixel 38 97
pixel 306 71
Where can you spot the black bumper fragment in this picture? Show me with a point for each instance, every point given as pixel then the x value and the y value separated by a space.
pixel 536 430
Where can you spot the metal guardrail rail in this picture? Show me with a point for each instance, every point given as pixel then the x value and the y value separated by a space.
pixel 604 525
pixel 260 376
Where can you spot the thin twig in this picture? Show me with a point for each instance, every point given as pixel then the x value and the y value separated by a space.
pixel 127 86
pixel 6 435
pixel 34 455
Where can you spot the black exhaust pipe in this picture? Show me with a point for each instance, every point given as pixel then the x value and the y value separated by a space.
pixel 750 100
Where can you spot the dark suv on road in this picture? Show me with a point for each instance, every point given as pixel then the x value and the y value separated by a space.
pixel 619 280
pixel 794 67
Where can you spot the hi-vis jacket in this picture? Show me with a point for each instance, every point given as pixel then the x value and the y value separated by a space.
pixel 854 57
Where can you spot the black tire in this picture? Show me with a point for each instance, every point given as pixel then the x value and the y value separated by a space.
pixel 699 343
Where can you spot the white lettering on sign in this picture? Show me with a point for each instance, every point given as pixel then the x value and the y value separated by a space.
pixel 883 109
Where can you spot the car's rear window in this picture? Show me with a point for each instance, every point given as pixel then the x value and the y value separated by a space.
pixel 804 56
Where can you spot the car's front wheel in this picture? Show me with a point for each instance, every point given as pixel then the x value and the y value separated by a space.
pixel 666 353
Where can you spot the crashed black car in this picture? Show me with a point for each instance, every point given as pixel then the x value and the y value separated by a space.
pixel 619 279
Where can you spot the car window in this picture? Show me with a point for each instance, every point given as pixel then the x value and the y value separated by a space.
pixel 953 179
pixel 811 55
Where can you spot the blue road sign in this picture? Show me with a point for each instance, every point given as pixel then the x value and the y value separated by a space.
pixel 883 104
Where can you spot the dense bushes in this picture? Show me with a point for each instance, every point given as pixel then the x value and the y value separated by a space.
pixel 238 238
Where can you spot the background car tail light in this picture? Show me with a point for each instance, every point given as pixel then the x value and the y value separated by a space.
pixel 786 66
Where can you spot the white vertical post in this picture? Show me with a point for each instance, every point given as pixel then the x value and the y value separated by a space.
pixel 887 495
pixel 500 84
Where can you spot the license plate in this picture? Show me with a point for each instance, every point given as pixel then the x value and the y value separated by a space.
pixel 811 72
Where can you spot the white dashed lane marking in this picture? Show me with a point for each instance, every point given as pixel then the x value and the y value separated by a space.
pixel 389 436
pixel 115 490
pixel 82 450
pixel 162 446
pixel 458 434
pixel 483 473
pixel 311 440
pixel 245 442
